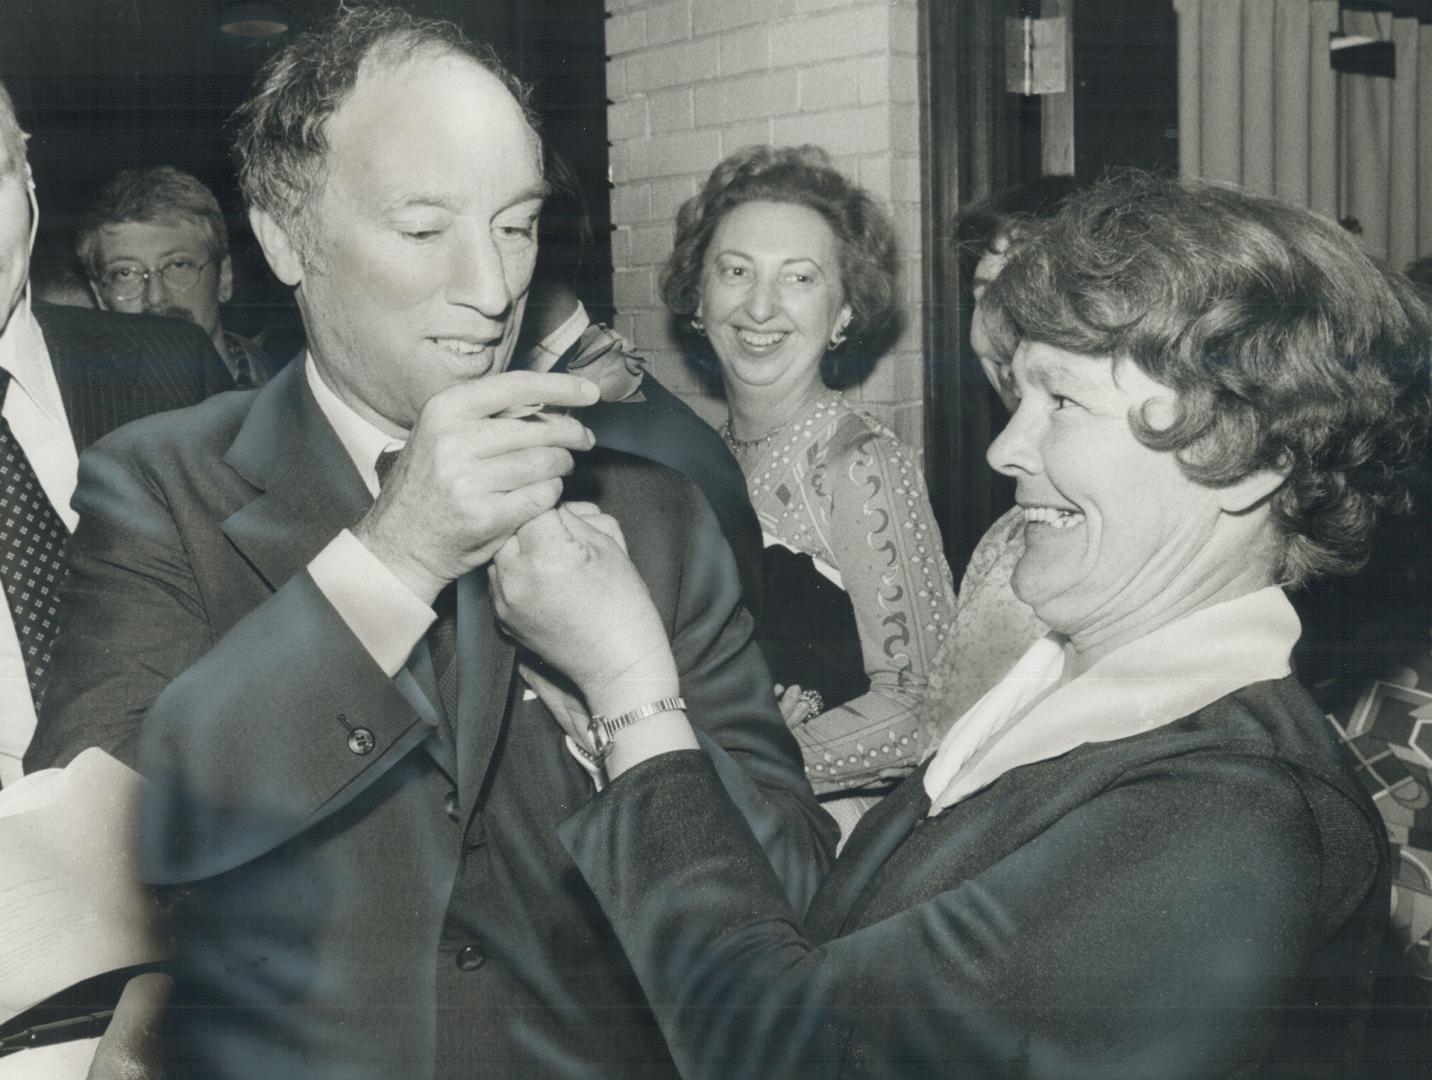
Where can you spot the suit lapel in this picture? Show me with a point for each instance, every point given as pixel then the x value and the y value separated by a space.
pixel 309 490
pixel 485 660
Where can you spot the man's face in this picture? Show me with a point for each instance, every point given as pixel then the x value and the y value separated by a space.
pixel 15 217
pixel 425 236
pixel 168 252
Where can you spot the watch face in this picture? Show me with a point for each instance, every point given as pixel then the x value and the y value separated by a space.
pixel 601 739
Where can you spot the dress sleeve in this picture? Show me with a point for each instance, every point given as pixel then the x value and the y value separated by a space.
pixel 1096 950
pixel 887 547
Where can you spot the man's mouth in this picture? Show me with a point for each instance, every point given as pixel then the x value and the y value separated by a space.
pixel 459 346
pixel 172 311
pixel 1053 516
pixel 761 339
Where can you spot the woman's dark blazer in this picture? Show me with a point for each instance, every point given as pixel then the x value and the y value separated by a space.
pixel 1203 899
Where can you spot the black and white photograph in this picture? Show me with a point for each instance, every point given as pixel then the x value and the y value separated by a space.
pixel 716 539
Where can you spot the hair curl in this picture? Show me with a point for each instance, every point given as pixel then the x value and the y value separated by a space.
pixel 1288 348
pixel 804 176
pixel 281 144
pixel 162 194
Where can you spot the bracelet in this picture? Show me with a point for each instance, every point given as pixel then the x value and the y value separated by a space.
pixel 601 729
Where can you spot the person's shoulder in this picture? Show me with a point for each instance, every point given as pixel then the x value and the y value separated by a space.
pixel 195 434
pixel 1269 738
pixel 116 330
pixel 856 432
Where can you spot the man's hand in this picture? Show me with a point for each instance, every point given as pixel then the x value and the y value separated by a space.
pixel 468 478
pixel 564 587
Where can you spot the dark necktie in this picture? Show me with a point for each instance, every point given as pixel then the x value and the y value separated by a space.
pixel 442 636
pixel 32 550
pixel 243 371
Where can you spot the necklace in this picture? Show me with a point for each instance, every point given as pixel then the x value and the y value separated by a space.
pixel 748 444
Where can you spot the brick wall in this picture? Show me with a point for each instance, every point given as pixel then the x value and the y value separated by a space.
pixel 692 80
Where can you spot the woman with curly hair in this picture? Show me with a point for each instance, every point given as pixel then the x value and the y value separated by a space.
pixel 1141 854
pixel 783 273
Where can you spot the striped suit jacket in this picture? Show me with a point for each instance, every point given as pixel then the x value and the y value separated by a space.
pixel 116 368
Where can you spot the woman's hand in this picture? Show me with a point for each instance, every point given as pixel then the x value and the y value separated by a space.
pixel 795 706
pixel 564 587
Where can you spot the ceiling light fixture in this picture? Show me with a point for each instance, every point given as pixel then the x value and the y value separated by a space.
pixel 252 19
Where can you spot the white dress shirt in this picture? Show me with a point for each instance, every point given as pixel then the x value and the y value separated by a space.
pixel 386 617
pixel 36 414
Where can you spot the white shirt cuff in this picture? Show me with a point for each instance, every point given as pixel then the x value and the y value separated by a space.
pixel 380 610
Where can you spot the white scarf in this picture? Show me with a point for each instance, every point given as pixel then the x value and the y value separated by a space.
pixel 1178 669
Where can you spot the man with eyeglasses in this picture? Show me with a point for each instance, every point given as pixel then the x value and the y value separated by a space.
pixel 154 241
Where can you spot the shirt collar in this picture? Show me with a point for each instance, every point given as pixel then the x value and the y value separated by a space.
pixel 1178 669
pixel 549 350
pixel 360 438
pixel 24 355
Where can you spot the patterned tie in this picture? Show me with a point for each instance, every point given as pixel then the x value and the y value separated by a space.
pixel 442 637
pixel 32 551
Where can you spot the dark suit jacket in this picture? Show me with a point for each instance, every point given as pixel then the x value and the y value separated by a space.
pixel 663 428
pixel 348 912
pixel 116 368
pixel 1192 901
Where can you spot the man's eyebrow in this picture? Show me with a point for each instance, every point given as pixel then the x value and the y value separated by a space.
pixel 541 191
pixel 406 199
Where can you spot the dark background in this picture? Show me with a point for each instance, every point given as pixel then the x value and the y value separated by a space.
pixel 103 85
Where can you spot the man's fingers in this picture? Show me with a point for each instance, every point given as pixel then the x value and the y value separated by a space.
pixel 506 512
pixel 492 394
pixel 509 472
pixel 489 438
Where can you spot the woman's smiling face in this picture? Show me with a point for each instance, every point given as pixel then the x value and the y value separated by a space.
pixel 771 294
pixel 1114 530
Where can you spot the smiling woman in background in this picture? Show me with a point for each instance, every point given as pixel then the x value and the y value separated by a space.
pixel 785 272
pixel 1141 854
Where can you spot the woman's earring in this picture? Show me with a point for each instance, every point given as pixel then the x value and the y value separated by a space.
pixel 698 325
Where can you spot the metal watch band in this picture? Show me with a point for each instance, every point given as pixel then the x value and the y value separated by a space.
pixel 601 729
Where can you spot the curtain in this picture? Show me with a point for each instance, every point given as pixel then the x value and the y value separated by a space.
pixel 1260 106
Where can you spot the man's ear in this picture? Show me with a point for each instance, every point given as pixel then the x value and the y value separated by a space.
pixel 1243 495
pixel 226 280
pixel 279 249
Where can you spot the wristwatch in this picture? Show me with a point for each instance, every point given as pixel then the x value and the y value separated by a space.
pixel 601 728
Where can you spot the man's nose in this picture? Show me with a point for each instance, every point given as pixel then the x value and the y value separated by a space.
pixel 1015 451
pixel 478 278
pixel 155 291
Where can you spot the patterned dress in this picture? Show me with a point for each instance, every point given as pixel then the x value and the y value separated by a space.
pixel 836 488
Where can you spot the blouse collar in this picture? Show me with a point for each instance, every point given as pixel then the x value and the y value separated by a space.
pixel 1032 715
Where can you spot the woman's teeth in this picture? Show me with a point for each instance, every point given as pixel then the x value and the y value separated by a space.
pixel 759 340
pixel 1060 519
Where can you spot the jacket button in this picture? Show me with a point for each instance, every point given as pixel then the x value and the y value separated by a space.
pixel 361 741
pixel 450 804
pixel 469 959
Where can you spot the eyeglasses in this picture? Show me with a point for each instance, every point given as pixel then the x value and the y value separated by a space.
pixel 128 281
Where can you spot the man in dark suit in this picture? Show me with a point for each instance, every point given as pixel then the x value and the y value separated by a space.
pixel 69 377
pixel 288 626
